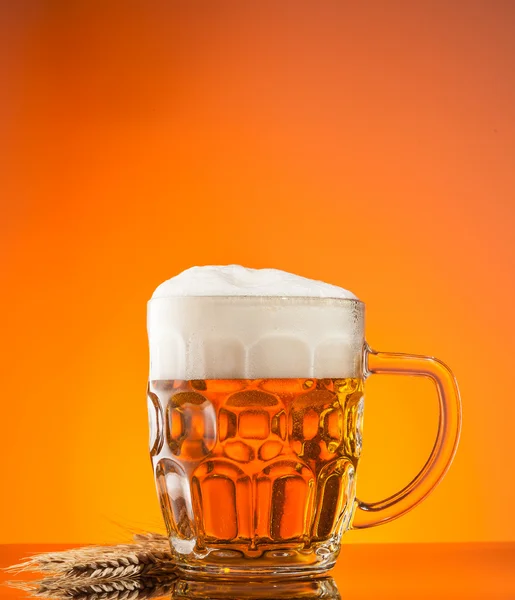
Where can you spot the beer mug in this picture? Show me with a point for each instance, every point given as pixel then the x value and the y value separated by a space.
pixel 256 402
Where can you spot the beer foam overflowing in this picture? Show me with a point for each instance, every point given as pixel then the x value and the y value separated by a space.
pixel 230 322
pixel 235 280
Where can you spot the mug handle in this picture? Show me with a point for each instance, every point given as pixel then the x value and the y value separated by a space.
pixel 449 426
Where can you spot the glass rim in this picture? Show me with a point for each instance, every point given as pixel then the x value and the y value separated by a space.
pixel 263 298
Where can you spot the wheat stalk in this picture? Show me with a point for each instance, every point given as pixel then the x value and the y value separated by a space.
pixel 127 559
pixel 122 589
pixel 140 570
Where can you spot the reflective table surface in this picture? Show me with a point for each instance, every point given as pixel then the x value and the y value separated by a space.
pixel 363 571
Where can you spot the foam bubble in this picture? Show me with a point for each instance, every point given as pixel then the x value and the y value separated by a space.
pixel 229 322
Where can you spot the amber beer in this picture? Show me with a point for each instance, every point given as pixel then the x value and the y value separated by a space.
pixel 261 468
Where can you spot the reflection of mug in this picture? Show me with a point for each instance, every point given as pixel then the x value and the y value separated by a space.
pixel 256 410
pixel 284 588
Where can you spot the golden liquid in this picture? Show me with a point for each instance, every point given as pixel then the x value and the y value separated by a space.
pixel 255 468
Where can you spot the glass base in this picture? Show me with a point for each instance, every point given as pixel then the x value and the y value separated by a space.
pixel 273 561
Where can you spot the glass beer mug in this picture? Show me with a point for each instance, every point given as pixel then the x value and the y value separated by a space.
pixel 256 413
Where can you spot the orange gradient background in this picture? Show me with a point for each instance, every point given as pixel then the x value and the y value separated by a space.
pixel 371 145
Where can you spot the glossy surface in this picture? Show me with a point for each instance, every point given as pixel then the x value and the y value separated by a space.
pixel 369 572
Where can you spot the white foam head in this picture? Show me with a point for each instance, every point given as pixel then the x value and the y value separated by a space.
pixel 234 280
pixel 230 322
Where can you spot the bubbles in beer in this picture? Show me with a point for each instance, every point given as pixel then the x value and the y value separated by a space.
pixel 271 463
